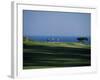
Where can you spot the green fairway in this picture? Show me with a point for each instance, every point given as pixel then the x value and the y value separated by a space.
pixel 55 54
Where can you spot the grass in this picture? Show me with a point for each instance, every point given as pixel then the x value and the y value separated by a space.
pixel 55 54
pixel 57 44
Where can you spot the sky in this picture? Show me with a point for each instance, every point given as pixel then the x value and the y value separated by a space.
pixel 50 23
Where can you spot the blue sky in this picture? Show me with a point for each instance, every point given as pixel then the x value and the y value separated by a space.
pixel 48 23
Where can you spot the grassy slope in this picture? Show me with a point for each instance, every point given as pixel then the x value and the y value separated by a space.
pixel 58 44
pixel 55 54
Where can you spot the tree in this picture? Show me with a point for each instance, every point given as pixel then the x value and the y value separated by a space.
pixel 82 39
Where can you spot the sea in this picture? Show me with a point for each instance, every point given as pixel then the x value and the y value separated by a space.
pixel 57 39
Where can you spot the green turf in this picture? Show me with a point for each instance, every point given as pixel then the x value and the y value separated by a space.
pixel 55 54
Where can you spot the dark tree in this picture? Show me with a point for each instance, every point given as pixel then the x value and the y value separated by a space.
pixel 24 38
pixel 82 39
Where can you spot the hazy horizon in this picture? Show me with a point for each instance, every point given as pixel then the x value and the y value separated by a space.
pixel 52 36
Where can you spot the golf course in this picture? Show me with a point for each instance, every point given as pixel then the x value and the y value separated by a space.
pixel 38 54
pixel 56 39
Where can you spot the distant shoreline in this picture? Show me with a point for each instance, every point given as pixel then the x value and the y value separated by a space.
pixel 57 38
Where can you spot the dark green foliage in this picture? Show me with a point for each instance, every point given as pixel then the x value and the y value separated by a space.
pixel 82 39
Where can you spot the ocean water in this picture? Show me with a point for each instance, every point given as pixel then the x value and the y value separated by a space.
pixel 56 39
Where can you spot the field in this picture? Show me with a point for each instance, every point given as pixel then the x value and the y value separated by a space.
pixel 55 54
